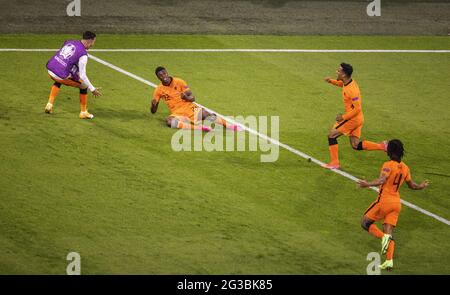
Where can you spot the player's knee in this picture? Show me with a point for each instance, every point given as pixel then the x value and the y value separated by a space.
pixel 83 91
pixel 332 140
pixel 366 223
pixel 357 146
pixel 333 133
pixel 57 84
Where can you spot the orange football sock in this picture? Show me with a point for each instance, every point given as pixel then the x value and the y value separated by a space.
pixel 53 93
pixel 334 153
pixel 390 250
pixel 83 102
pixel 372 146
pixel 375 231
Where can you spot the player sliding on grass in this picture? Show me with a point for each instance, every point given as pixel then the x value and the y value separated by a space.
pixel 387 206
pixel 68 67
pixel 350 123
pixel 180 101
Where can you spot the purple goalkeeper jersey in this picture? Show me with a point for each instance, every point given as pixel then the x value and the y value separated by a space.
pixel 65 62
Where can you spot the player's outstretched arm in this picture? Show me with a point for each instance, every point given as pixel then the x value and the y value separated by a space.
pixel 154 106
pixel 377 182
pixel 412 185
pixel 82 62
pixel 188 96
pixel 334 82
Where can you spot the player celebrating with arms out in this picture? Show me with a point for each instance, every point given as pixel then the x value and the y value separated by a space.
pixel 388 205
pixel 179 99
pixel 68 67
pixel 350 123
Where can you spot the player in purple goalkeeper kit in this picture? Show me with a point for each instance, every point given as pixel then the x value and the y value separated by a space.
pixel 68 67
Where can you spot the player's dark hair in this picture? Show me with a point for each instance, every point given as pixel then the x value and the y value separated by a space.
pixel 395 150
pixel 88 35
pixel 347 68
pixel 159 69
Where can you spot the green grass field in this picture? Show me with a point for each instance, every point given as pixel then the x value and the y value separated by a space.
pixel 113 190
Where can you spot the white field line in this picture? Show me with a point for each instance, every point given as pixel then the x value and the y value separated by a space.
pixel 237 50
pixel 271 140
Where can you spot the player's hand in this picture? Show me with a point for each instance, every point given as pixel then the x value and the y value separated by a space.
pixel 363 183
pixel 339 118
pixel 328 79
pixel 97 92
pixel 425 184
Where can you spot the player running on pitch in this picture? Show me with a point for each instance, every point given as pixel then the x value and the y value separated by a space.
pixel 350 123
pixel 387 206
pixel 68 67
pixel 180 101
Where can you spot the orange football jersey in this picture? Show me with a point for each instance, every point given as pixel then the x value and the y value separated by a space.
pixel 172 95
pixel 396 173
pixel 351 97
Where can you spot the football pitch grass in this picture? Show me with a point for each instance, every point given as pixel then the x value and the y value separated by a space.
pixel 113 190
